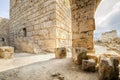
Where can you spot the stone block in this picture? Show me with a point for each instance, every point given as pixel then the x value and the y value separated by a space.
pixel 94 57
pixel 89 65
pixel 6 52
pixel 78 54
pixel 60 53
pixel 115 63
pixel 106 69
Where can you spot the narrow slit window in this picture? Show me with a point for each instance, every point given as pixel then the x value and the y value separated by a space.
pixel 3 39
pixel 25 32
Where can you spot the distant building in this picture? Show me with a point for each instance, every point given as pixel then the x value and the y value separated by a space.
pixel 108 36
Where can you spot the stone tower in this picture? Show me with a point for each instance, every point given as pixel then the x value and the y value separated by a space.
pixel 37 25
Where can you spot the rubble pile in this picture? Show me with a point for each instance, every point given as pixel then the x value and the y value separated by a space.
pixel 107 65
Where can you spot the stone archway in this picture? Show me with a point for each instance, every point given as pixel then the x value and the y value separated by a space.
pixel 83 23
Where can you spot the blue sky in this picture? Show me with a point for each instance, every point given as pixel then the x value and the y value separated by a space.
pixel 107 15
pixel 4 8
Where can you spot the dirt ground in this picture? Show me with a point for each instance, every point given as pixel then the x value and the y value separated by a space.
pixel 45 67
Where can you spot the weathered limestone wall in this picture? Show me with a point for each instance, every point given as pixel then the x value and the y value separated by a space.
pixel 83 24
pixel 63 24
pixel 33 25
pixel 4 32
pixel 39 24
pixel 108 36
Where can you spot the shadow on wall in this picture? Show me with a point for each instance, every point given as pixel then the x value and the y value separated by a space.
pixel 23 46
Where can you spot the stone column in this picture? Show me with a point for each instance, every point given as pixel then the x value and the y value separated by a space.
pixel 83 23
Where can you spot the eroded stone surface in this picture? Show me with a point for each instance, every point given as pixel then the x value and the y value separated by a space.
pixel 46 24
pixel 108 68
pixel 60 53
pixel 6 52
pixel 78 54
pixel 115 63
pixel 105 69
pixel 43 24
pixel 4 32
pixel 89 65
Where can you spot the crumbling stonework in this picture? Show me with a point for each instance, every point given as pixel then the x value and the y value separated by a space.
pixel 108 68
pixel 4 32
pixel 78 54
pixel 37 25
pixel 89 65
pixel 108 36
pixel 83 23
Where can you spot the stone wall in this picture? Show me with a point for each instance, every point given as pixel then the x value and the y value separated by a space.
pixel 4 32
pixel 108 36
pixel 63 24
pixel 83 23
pixel 37 25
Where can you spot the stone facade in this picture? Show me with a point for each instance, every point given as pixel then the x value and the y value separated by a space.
pixel 37 25
pixel 108 36
pixel 4 32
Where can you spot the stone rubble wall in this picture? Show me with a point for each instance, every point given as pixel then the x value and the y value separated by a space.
pixel 4 32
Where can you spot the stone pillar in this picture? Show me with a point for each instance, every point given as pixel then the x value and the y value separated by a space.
pixel 83 23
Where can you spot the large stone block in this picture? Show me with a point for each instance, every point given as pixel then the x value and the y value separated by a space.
pixel 89 65
pixel 115 63
pixel 78 54
pixel 108 68
pixel 94 57
pixel 105 69
pixel 60 53
pixel 6 52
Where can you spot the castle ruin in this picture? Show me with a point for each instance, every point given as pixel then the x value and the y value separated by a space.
pixel 36 25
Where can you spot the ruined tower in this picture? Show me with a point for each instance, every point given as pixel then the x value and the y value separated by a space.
pixel 47 24
pixel 40 24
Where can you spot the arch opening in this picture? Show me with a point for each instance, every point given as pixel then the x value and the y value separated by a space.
pixel 106 19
